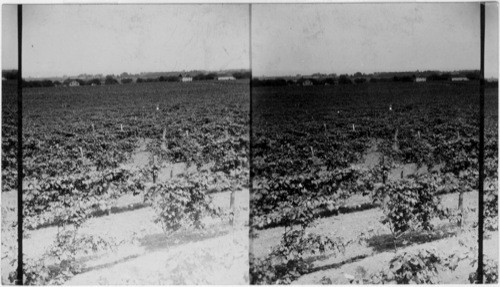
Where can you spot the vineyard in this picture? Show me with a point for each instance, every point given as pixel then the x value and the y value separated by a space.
pixel 362 183
pixel 174 153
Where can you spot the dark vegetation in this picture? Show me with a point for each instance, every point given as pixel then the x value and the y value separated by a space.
pixel 305 142
pixel 123 79
pixel 75 140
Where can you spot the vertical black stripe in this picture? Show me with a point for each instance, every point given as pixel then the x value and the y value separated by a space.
pixel 19 148
pixel 250 245
pixel 481 157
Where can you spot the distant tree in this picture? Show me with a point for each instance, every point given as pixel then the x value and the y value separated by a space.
pixel 360 80
pixel 67 81
pixel 139 80
pixel 9 74
pixel 109 80
pixel 199 77
pixel 172 79
pixel 357 75
pixel 403 79
pixel 242 75
pixel 472 76
pixel 438 77
pixel 344 79
pixel 211 76
pixel 329 81
pixel 126 81
pixel 95 82
pixel 373 80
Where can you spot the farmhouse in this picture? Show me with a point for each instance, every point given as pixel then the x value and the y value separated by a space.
pixel 420 79
pixel 225 78
pixel 459 79
pixel 186 79
pixel 307 83
pixel 74 84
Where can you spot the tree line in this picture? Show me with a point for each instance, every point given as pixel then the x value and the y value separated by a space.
pixel 358 78
pixel 111 80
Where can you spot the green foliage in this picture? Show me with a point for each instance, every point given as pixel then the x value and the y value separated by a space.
pixel 59 263
pixel 420 267
pixel 294 199
pixel 287 261
pixel 181 201
pixel 409 204
pixel 491 209
pixel 490 272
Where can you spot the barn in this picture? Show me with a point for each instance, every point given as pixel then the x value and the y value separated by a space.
pixel 74 84
pixel 186 79
pixel 420 79
pixel 225 78
pixel 307 83
pixel 459 79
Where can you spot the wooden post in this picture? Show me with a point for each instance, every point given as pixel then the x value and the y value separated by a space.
pixel 121 127
pixel 312 151
pixel 164 134
pixel 154 169
pixel 461 207
pixel 231 208
pixel 395 145
pixel 93 129
pixel 81 152
pixel 384 177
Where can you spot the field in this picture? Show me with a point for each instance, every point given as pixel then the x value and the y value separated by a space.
pixel 175 153
pixel 394 164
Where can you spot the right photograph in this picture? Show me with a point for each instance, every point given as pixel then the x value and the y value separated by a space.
pixel 370 151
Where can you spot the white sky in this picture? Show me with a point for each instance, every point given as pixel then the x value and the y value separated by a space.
pixel 346 38
pixel 287 39
pixel 9 37
pixel 74 39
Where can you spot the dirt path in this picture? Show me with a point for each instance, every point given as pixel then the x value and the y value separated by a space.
pixel 377 250
pixel 143 249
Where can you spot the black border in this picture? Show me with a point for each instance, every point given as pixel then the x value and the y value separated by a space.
pixel 19 279
pixel 481 156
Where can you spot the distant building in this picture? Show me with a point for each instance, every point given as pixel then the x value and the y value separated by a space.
pixel 225 78
pixel 307 83
pixel 420 79
pixel 186 79
pixel 459 79
pixel 74 84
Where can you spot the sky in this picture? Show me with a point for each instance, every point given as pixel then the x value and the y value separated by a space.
pixel 287 39
pixel 9 37
pixel 295 39
pixel 111 39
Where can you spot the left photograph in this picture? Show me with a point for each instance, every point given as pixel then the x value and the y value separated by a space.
pixel 135 125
